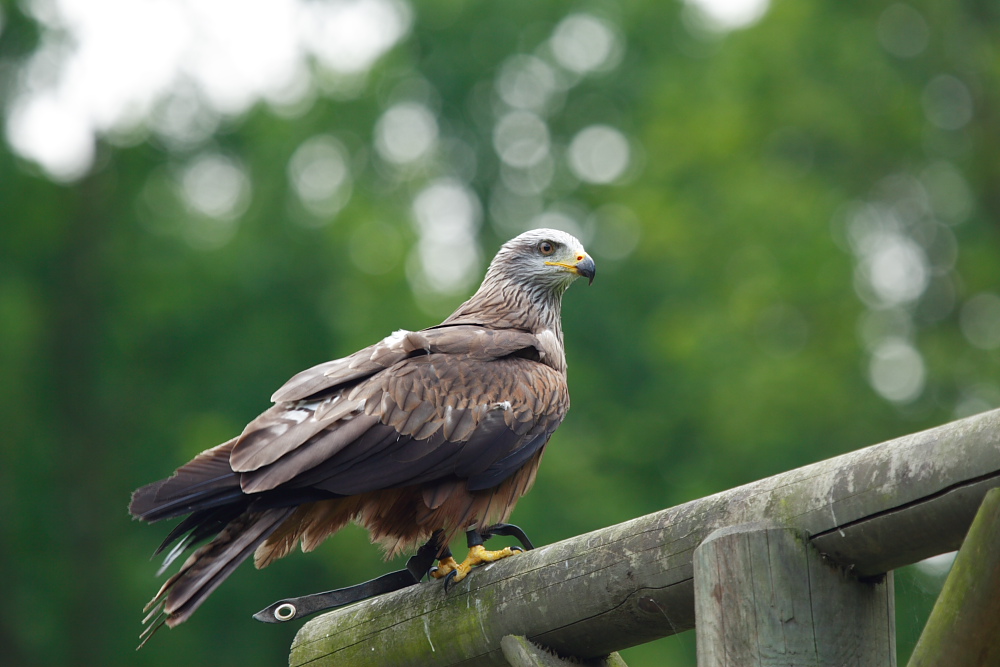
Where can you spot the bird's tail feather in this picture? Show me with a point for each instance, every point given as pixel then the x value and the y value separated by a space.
pixel 196 528
pixel 209 566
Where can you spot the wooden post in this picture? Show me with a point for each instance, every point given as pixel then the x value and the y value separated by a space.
pixel 765 596
pixel 964 627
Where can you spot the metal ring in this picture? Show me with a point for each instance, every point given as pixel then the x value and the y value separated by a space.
pixel 285 612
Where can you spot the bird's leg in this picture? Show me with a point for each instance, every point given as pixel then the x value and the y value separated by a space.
pixel 446 564
pixel 509 530
pixel 420 563
pixel 477 556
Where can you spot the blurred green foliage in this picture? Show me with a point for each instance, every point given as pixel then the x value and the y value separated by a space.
pixel 735 330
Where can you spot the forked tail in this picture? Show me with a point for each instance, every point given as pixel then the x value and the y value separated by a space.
pixel 208 491
pixel 208 567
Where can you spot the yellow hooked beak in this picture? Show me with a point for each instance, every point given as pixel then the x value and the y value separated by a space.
pixel 584 266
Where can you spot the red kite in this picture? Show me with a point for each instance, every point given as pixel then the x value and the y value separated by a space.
pixel 417 438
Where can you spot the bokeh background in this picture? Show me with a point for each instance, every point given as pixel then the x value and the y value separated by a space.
pixel 793 206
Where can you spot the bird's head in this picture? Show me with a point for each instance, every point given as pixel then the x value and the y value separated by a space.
pixel 524 285
pixel 546 259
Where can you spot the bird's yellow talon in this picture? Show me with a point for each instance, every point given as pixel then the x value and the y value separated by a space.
pixel 445 566
pixel 477 556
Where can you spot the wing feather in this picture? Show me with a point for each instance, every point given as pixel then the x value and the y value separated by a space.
pixel 419 416
pixel 453 401
pixel 508 465
pixel 322 447
pixel 461 340
pixel 205 481
pixel 436 440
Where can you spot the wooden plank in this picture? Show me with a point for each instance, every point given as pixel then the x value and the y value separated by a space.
pixel 870 510
pixel 964 627
pixel 764 596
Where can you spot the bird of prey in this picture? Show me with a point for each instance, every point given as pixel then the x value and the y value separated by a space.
pixel 418 437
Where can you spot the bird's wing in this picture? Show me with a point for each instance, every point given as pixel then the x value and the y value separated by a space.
pixel 465 402
pixel 467 339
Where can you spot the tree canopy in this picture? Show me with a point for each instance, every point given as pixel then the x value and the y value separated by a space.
pixel 793 208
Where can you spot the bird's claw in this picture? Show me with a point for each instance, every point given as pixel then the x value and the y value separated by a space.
pixel 444 567
pixel 450 579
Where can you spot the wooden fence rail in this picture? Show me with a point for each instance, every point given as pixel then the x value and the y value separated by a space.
pixel 868 512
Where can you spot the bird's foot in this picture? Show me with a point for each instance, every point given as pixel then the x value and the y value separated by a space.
pixel 445 566
pixel 477 556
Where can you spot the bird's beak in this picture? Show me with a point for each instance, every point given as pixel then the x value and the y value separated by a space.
pixel 584 267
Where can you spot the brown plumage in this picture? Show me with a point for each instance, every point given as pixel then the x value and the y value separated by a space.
pixel 440 429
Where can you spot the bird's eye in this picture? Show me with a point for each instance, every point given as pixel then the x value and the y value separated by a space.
pixel 546 247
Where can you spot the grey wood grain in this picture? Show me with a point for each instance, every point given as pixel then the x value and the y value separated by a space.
pixel 764 596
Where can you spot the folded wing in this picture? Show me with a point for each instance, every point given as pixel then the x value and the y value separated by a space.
pixel 463 401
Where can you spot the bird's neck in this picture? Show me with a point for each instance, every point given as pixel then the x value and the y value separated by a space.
pixel 507 305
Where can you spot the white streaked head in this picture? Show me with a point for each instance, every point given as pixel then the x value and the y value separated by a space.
pixel 542 258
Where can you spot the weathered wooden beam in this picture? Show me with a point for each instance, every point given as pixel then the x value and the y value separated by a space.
pixel 765 596
pixel 871 511
pixel 964 627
